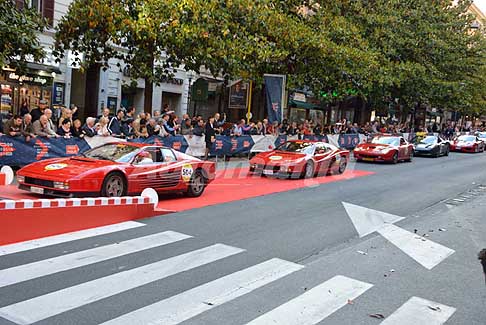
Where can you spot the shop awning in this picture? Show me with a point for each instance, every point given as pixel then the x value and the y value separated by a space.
pixel 304 105
pixel 43 67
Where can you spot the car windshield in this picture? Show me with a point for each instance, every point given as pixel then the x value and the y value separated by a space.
pixel 386 140
pixel 466 138
pixel 117 152
pixel 297 146
pixel 428 140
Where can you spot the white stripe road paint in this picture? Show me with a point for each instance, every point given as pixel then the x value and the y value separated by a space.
pixel 67 237
pixel 316 304
pixel 70 261
pixel 42 307
pixel 420 311
pixel 367 221
pixel 426 252
pixel 195 301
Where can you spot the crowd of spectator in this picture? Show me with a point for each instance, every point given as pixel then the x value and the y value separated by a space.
pixel 126 123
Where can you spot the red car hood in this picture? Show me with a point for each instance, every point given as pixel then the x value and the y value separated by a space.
pixel 372 146
pixel 278 157
pixel 63 168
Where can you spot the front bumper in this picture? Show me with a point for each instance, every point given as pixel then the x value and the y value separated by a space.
pixel 55 192
pixel 463 149
pixel 375 157
pixel 275 171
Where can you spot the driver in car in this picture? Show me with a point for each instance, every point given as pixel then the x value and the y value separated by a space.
pixel 144 158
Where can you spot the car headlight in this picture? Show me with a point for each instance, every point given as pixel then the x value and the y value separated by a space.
pixel 20 179
pixel 61 185
pixel 285 169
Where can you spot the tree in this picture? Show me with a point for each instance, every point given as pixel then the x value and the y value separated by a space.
pixel 18 35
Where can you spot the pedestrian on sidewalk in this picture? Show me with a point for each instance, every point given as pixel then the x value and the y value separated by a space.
pixel 482 258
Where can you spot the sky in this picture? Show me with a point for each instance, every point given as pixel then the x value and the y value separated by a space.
pixel 481 4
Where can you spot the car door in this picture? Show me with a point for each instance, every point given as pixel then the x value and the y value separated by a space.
pixel 441 145
pixel 403 149
pixel 145 172
pixel 321 154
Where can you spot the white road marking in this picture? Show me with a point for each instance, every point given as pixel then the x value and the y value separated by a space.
pixel 420 312
pixel 70 261
pixel 316 304
pixel 42 307
pixel 195 301
pixel 367 221
pixel 67 237
pixel 426 252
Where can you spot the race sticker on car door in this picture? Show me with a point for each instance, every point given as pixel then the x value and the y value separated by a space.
pixel 186 172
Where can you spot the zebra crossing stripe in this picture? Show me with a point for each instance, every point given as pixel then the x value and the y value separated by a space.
pixel 67 237
pixel 420 311
pixel 195 301
pixel 70 261
pixel 316 304
pixel 54 303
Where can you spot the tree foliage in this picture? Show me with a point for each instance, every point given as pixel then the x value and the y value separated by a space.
pixel 18 35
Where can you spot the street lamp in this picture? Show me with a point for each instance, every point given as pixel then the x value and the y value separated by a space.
pixel 191 74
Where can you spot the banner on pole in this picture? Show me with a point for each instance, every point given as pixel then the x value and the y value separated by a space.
pixel 275 96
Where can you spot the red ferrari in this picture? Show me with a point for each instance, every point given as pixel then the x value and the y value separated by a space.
pixel 386 148
pixel 300 159
pixel 467 143
pixel 118 169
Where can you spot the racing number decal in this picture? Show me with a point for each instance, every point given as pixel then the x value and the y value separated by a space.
pixel 186 172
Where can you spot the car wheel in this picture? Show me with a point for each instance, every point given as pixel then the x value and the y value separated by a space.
pixel 342 165
pixel 114 185
pixel 448 149
pixel 395 158
pixel 197 184
pixel 410 158
pixel 309 170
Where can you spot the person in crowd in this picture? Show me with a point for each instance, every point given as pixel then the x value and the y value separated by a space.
pixel 74 111
pixel 130 113
pixel 127 129
pixel 258 129
pixel 157 115
pixel 38 111
pixel 186 127
pixel 50 123
pixel 27 128
pixel 153 128
pixel 114 126
pixel 65 114
pixel 210 136
pixel 199 129
pixel 77 129
pixel 65 129
pixel 105 112
pixel 238 128
pixel 317 129
pixel 143 132
pixel 102 127
pixel 88 128
pixel 219 122
pixel 41 128
pixel 266 127
pixel 167 127
pixel 13 127
pixel 24 108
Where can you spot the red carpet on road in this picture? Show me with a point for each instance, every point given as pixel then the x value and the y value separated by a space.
pixel 235 184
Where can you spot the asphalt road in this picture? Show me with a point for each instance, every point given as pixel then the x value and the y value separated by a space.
pixel 308 229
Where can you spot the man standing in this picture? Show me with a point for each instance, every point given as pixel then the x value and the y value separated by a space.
pixel 210 137
pixel 89 129
pixel 13 126
pixel 114 127
pixel 51 125
pixel 27 128
pixel 38 111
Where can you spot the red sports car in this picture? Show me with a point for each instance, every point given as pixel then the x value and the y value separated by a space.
pixel 300 159
pixel 467 143
pixel 386 148
pixel 118 169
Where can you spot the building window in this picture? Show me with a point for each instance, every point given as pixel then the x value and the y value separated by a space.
pixel 43 7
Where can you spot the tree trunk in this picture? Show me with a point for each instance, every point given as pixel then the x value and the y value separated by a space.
pixel 148 95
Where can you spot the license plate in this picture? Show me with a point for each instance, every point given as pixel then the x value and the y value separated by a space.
pixel 268 172
pixel 368 159
pixel 38 190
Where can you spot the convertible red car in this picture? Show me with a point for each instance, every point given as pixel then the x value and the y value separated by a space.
pixel 300 159
pixel 118 169
pixel 468 143
pixel 384 148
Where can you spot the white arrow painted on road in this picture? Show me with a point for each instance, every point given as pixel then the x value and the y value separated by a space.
pixel 426 252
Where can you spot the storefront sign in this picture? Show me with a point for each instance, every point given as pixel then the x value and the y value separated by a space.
pixel 29 78
pixel 58 95
pixel 299 97
pixel 111 103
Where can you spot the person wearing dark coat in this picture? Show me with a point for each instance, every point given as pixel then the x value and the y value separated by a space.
pixel 89 129
pixel 210 136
